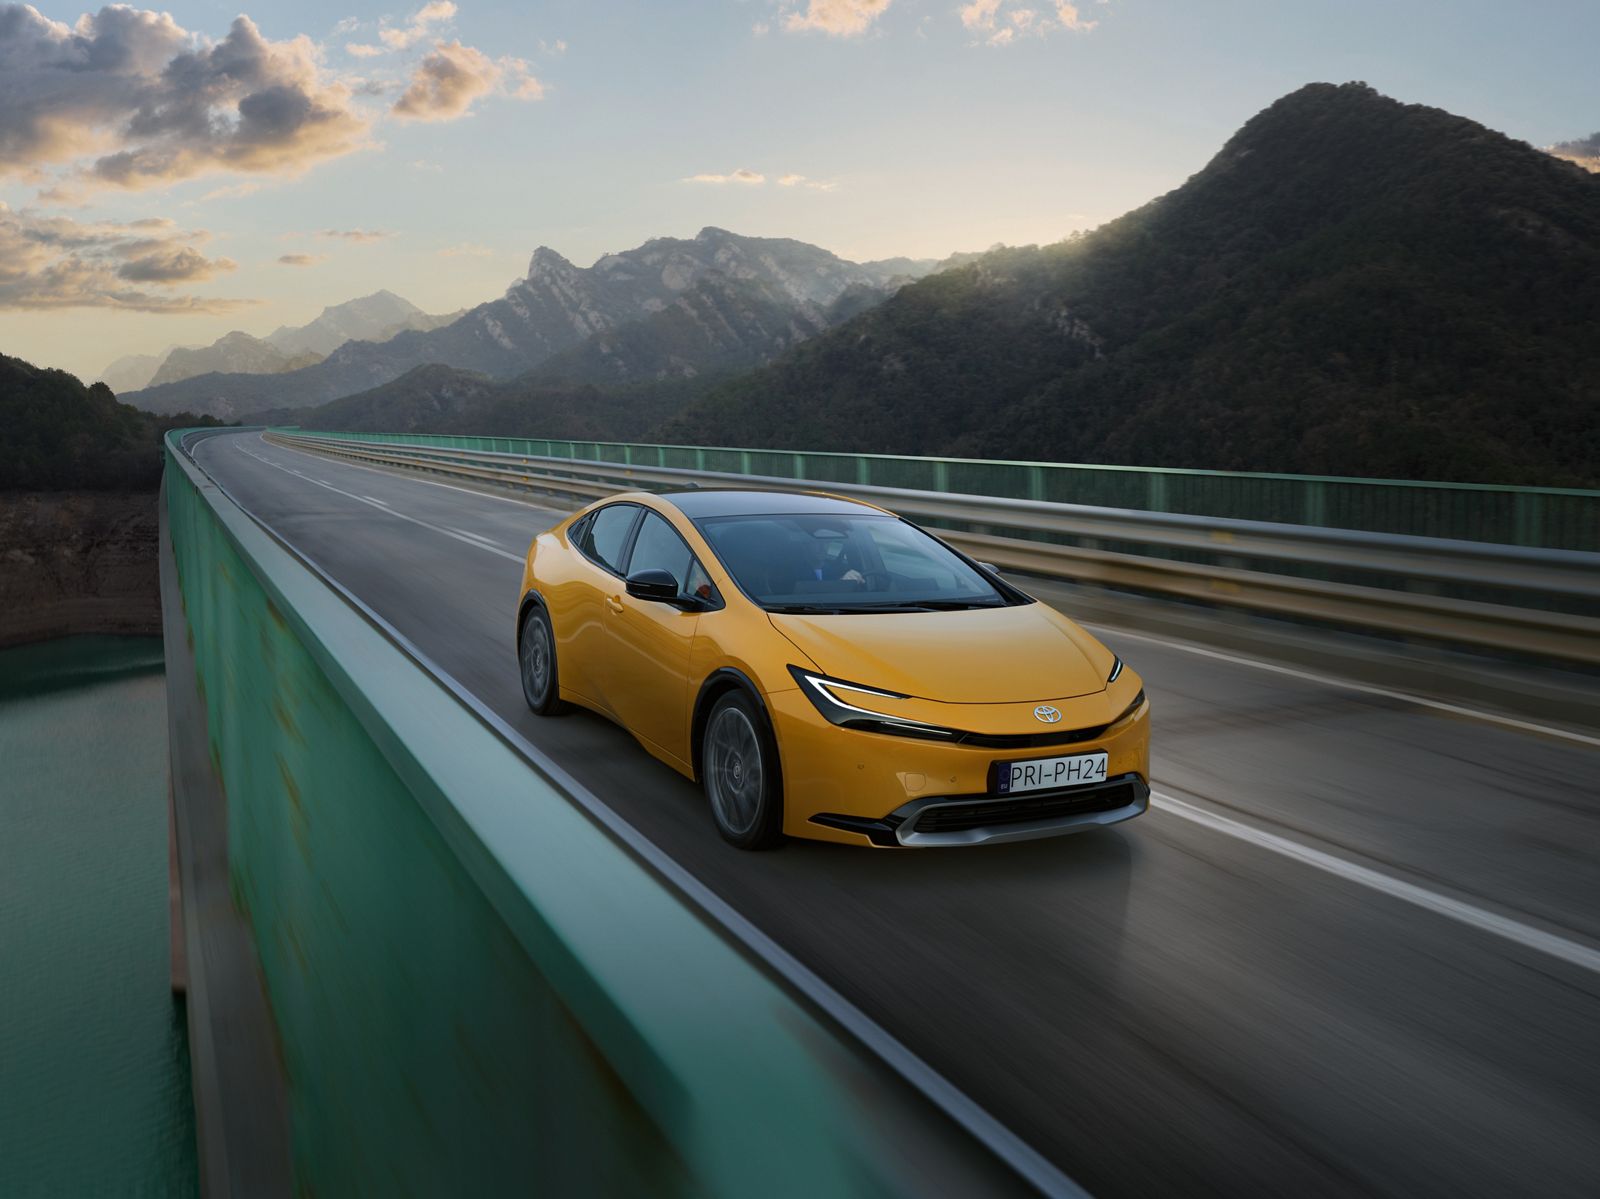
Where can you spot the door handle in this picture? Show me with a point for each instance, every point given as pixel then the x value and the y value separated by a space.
pixel 614 602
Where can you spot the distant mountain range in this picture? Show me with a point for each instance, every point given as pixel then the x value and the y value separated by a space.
pixel 377 317
pixel 671 308
pixel 1352 286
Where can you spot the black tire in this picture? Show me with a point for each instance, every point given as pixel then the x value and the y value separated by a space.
pixel 740 773
pixel 536 663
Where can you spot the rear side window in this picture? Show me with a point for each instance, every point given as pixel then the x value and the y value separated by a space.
pixel 605 534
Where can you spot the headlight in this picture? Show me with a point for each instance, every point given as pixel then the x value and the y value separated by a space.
pixel 852 706
pixel 1138 702
pixel 1116 669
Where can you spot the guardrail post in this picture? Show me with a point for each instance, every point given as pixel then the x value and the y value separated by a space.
pixel 627 454
pixel 799 466
pixel 863 470
pixel 941 475
pixel 744 462
pixel 1316 507
pixel 1156 499
pixel 1526 514
pixel 699 458
pixel 1036 482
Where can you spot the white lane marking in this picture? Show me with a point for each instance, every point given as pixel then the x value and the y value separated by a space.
pixel 1529 937
pixel 403 478
pixel 372 499
pixel 387 511
pixel 471 534
pixel 1438 705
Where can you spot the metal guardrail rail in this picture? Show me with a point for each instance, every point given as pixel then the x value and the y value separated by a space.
pixel 1539 602
pixel 1545 517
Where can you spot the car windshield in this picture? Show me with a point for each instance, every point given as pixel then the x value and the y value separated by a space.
pixel 844 563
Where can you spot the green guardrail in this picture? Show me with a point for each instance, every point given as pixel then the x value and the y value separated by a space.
pixel 476 989
pixel 1547 517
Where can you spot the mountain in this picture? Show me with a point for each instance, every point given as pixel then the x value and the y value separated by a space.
pixel 720 324
pixel 1352 286
pixel 233 352
pixel 61 435
pixel 443 399
pixel 133 371
pixel 559 306
pixel 377 317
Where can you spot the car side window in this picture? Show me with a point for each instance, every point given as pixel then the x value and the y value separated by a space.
pixel 605 535
pixel 659 547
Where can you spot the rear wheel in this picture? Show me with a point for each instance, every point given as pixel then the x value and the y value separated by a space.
pixel 536 655
pixel 739 769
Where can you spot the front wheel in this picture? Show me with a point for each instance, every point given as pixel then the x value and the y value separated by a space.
pixel 739 768
pixel 536 655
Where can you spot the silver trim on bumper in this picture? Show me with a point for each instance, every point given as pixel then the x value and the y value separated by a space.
pixel 906 831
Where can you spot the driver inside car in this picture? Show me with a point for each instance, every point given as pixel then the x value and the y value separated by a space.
pixel 832 566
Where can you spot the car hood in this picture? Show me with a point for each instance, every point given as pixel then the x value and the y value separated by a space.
pixel 1023 654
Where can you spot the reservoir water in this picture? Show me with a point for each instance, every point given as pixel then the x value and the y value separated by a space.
pixel 94 1057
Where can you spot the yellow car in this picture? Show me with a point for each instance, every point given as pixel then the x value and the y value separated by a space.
pixel 828 670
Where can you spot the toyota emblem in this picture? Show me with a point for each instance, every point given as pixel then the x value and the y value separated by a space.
pixel 1047 714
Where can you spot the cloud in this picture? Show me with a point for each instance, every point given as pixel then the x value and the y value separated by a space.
pixel 837 18
pixel 232 192
pixel 740 175
pixel 359 236
pixel 362 50
pixel 419 26
pixel 301 259
pixel 151 103
pixel 445 83
pixel 1002 22
pixel 422 164
pixel 1585 151
pixel 53 262
pixel 793 180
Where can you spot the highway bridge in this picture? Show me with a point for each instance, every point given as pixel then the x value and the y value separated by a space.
pixel 434 941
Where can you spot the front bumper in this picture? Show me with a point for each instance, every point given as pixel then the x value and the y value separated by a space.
pixel 870 788
pixel 981 820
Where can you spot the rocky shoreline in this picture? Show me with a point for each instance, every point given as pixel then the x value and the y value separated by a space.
pixel 78 562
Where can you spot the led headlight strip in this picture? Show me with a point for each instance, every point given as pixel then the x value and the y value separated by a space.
pixel 841 703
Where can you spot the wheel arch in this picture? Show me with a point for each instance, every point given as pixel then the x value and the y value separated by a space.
pixel 717 684
pixel 530 599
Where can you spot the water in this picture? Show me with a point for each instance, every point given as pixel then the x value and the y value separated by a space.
pixel 94 1057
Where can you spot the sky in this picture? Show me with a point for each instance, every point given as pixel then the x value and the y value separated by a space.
pixel 169 175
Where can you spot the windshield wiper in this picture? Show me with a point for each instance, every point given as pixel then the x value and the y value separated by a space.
pixel 929 605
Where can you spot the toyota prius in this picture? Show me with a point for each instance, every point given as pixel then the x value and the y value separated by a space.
pixel 826 669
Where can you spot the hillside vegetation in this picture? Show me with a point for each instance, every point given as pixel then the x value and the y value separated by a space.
pixel 442 399
pixel 1352 286
pixel 63 436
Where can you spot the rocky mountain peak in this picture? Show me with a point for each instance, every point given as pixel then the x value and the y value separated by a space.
pixel 546 261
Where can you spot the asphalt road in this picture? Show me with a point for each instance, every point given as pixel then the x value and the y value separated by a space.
pixel 1353 949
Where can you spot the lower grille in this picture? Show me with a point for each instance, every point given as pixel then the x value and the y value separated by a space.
pixel 998 813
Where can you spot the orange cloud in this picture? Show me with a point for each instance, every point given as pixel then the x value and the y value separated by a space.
pixel 444 84
pixel 837 18
pixel 53 262
pixel 154 104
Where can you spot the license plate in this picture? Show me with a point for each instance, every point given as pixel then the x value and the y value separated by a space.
pixel 1038 774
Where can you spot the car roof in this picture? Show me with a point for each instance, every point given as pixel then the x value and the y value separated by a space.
pixel 698 503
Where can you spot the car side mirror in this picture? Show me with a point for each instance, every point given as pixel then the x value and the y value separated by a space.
pixel 990 567
pixel 653 584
